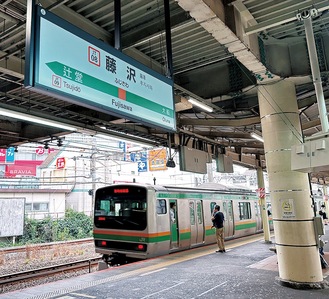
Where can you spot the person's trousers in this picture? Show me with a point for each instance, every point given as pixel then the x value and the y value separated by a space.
pixel 220 238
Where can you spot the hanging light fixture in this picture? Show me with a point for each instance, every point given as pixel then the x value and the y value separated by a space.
pixel 36 119
pixel 256 136
pixel 200 104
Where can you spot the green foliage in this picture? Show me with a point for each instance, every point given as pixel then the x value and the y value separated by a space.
pixel 37 231
pixel 75 225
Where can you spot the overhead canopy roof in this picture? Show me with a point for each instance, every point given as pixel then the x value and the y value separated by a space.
pixel 221 50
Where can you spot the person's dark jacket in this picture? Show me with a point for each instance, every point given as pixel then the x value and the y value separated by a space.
pixel 219 219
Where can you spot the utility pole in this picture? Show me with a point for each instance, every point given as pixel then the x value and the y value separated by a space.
pixel 93 171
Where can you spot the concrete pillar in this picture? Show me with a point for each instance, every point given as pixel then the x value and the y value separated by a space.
pixel 297 252
pixel 263 207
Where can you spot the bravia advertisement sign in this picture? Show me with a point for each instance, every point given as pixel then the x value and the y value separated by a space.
pixel 70 64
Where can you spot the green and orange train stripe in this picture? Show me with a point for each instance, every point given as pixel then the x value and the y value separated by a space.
pixel 184 234
pixel 131 236
pixel 240 225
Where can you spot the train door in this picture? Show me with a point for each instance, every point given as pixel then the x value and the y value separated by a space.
pixel 258 217
pixel 229 218
pixel 173 224
pixel 196 220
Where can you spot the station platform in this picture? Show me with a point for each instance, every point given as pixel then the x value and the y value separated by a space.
pixel 248 269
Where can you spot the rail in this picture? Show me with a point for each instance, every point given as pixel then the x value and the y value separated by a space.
pixel 48 271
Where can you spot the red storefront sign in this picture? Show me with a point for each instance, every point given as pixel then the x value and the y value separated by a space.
pixel 22 168
pixel 40 150
pixel 60 163
pixel 19 170
pixel 2 155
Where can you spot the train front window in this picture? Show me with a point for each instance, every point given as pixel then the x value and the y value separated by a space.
pixel 121 208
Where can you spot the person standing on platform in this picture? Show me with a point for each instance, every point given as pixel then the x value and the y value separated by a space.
pixel 323 213
pixel 172 212
pixel 218 221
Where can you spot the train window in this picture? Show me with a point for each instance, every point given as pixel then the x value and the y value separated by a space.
pixel 161 206
pixel 225 210
pixel 269 209
pixel 192 213
pixel 212 206
pixel 244 210
pixel 121 210
pixel 199 212
pixel 229 210
pixel 257 209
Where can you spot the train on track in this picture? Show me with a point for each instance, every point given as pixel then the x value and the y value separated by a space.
pixel 134 221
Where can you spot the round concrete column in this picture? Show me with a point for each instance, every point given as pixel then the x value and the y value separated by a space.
pixel 298 255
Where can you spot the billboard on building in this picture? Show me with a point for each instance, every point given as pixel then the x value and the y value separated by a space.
pixel 157 160
pixel 22 168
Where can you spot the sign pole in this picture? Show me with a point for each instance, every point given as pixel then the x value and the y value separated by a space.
pixel 262 203
pixel 117 25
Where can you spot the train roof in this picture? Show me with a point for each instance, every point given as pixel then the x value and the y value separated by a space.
pixel 211 187
pixel 207 187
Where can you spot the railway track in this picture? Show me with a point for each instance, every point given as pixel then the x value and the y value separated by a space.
pixel 48 271
pixel 44 246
